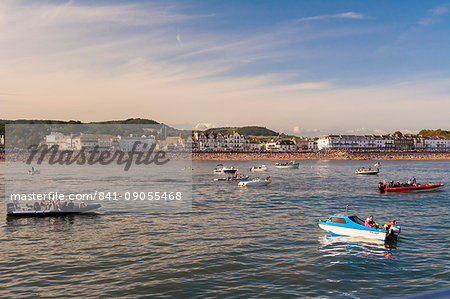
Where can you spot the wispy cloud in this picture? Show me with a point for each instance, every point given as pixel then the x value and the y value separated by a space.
pixel 344 15
pixel 77 60
pixel 179 40
pixel 434 15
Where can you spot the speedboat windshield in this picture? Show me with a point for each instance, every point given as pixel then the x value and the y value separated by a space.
pixel 356 219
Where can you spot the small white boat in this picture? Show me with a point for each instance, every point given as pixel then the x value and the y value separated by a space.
pixel 258 168
pixel 34 171
pixel 255 183
pixel 220 169
pixel 291 164
pixel 367 171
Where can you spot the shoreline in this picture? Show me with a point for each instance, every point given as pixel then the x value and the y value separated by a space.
pixel 318 156
pixel 330 155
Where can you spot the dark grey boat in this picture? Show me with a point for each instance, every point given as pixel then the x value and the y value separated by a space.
pixel 14 211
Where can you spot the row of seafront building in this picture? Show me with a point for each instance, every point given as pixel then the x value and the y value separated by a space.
pixel 106 142
pixel 382 142
pixel 238 142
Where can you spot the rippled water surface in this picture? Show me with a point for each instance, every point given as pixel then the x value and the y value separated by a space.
pixel 240 242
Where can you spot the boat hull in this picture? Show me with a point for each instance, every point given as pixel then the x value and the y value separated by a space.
pixel 287 166
pixel 258 169
pixel 52 213
pixel 411 188
pixel 367 172
pixel 232 179
pixel 353 232
pixel 254 183
pixel 225 171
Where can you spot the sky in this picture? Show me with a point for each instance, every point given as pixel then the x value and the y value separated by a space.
pixel 300 67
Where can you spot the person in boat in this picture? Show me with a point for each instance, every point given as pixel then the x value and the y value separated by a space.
pixel 370 222
pixel 70 205
pixel 267 178
pixel 388 225
pixel 37 206
pixel 57 205
pixel 414 182
pixel 391 183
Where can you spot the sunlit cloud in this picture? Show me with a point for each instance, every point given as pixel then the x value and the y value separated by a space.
pixel 344 15
pixel 113 61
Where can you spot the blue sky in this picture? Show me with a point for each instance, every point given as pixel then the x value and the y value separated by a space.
pixel 303 67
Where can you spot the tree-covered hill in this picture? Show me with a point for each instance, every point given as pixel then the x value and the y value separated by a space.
pixel 248 131
pixel 435 133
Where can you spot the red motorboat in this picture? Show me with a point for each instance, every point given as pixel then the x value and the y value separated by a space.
pixel 383 188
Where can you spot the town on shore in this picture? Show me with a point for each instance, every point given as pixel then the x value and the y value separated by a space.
pixel 235 146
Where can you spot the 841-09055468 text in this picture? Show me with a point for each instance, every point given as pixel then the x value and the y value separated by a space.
pixel 101 196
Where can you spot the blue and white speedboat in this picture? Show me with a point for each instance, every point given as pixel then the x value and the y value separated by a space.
pixel 353 226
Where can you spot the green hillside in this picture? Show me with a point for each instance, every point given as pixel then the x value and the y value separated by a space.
pixel 435 133
pixel 21 134
pixel 249 131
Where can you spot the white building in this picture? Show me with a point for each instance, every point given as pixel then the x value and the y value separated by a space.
pixel 281 145
pixel 211 142
pixel 436 143
pixel 237 141
pixel 89 141
pixel 219 142
pixel 62 141
pixel 343 142
pixel 254 145
pixel 405 142
pixel 127 143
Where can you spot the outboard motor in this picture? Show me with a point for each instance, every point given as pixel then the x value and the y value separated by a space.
pixel 393 232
